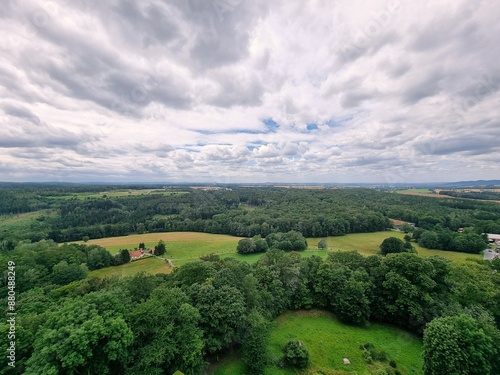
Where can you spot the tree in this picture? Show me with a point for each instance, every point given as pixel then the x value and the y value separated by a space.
pixel 85 335
pixel 64 273
pixel 221 310
pixel 461 345
pixel 122 257
pixel 392 245
pixel 86 239
pixel 246 246
pixel 295 354
pixel 254 343
pixel 260 244
pixel 160 248
pixel 98 257
pixel 174 341
pixel 322 244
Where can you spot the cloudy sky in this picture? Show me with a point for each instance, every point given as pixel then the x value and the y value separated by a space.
pixel 226 91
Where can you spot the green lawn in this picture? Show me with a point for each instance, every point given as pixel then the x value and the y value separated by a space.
pixel 368 244
pixel 329 341
pixel 150 265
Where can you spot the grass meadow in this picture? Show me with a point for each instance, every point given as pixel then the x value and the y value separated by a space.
pixel 151 265
pixel 368 244
pixel 184 247
pixel 117 193
pixel 25 222
pixel 329 341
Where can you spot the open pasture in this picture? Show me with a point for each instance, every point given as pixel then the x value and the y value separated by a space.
pixel 329 341
pixel 118 193
pixel 151 265
pixel 181 246
pixel 368 244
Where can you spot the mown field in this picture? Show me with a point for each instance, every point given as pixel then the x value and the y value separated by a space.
pixel 184 247
pixel 117 193
pixel 368 244
pixel 329 341
pixel 180 245
pixel 420 191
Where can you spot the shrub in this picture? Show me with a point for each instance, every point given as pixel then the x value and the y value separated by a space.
pixel 295 355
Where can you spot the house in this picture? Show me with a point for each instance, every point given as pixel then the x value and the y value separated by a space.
pixel 136 254
pixel 399 223
pixel 493 238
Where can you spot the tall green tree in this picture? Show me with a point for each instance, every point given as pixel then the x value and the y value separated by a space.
pixel 461 345
pixel 167 336
pixel 86 335
pixel 254 345
pixel 221 312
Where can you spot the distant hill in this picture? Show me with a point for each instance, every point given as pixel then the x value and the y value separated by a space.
pixel 482 183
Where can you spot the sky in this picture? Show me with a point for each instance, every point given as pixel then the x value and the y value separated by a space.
pixel 249 91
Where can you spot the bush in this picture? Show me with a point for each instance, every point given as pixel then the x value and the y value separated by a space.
pixel 322 244
pixel 295 355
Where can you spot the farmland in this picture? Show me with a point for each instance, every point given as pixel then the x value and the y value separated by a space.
pixel 184 247
pixel 116 193
pixel 150 265
pixel 329 341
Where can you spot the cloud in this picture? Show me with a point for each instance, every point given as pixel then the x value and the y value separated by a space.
pixel 238 91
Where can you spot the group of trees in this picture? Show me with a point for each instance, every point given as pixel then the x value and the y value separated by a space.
pixel 444 239
pixel 393 245
pixel 160 324
pixel 290 241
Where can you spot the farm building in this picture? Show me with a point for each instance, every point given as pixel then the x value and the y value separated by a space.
pixel 136 254
pixel 399 223
pixel 493 237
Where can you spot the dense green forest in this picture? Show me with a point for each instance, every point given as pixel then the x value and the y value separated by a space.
pixel 243 212
pixel 70 323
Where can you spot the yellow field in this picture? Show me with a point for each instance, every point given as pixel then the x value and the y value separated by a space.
pixel 182 247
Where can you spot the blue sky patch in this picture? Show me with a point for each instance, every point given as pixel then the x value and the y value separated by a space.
pixel 271 125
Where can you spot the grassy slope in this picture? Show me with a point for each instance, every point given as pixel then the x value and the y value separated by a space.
pixel 183 247
pixel 368 244
pixel 180 245
pixel 150 265
pixel 26 221
pixel 329 341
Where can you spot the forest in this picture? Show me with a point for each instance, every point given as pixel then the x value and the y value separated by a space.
pixel 70 323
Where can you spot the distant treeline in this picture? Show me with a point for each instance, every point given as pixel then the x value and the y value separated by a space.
pixel 243 212
pixel 486 195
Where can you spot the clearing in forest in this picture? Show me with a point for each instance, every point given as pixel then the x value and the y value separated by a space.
pixel 329 341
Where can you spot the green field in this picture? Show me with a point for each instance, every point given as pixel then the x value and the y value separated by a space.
pixel 152 265
pixel 421 191
pixel 24 222
pixel 368 244
pixel 329 341
pixel 117 193
pixel 184 247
